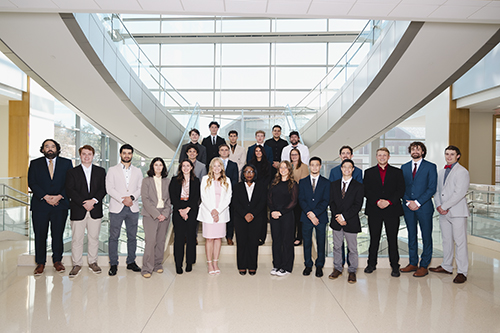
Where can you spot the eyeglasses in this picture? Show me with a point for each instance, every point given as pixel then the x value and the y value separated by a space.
pixel 248 171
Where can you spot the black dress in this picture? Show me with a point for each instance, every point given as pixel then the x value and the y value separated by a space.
pixel 282 229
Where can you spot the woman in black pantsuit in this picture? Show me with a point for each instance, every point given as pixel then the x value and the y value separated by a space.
pixel 282 198
pixel 249 202
pixel 185 197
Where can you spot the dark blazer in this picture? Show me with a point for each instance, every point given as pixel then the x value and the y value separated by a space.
pixel 392 190
pixel 232 172
pixel 40 183
pixel 256 206
pixel 336 174
pixel 77 190
pixel 316 202
pixel 212 151
pixel 202 153
pixel 194 197
pixel 423 187
pixel 349 207
pixel 268 150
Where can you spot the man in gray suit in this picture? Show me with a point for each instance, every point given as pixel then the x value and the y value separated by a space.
pixel 453 183
pixel 200 169
pixel 194 136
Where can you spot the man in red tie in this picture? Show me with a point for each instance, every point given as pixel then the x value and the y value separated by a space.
pixel 420 178
pixel 453 184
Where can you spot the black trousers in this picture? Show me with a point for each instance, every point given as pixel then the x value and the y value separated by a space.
pixel 184 233
pixel 263 228
pixel 247 245
pixel 391 230
pixel 297 211
pixel 282 231
pixel 41 220
pixel 230 224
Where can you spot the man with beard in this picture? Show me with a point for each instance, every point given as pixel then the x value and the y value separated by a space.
pixel 420 185
pixel 123 183
pixel 295 143
pixel 49 203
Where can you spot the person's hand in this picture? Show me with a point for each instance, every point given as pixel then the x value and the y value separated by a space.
pixel 89 204
pixel 442 211
pixel 315 221
pixel 340 220
pixel 161 218
pixel 382 204
pixel 412 205
pixel 249 217
pixel 276 164
pixel 275 215
pixel 127 201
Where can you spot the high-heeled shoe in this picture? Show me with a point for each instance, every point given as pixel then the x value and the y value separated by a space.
pixel 211 272
pixel 217 271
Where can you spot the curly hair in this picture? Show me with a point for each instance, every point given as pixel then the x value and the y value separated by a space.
pixel 291 180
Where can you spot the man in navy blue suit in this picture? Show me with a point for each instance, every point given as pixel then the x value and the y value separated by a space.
pixel 314 197
pixel 231 170
pixel 260 135
pixel 49 203
pixel 345 153
pixel 420 185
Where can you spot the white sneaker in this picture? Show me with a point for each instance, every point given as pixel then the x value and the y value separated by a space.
pixel 274 271
pixel 282 272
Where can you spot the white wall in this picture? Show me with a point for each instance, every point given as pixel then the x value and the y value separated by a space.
pixel 437 123
pixel 480 147
pixel 4 137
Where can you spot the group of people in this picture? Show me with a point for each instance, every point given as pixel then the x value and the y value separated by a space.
pixel 232 190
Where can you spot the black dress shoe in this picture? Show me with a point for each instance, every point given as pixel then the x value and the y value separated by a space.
pixel 319 271
pixel 113 270
pixel 189 267
pixel 395 272
pixel 261 242
pixel 133 266
pixel 307 271
pixel 369 269
pixel 252 272
pixel 243 271
pixel 178 270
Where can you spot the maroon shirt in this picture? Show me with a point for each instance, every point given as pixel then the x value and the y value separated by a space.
pixel 382 176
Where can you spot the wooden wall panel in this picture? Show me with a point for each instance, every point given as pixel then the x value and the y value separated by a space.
pixel 459 130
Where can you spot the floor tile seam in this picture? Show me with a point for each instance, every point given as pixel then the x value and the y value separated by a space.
pixel 158 304
pixel 343 310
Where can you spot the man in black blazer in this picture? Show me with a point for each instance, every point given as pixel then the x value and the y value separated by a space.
pixel 260 135
pixel 231 170
pixel 49 203
pixel 346 200
pixel 384 188
pixel 194 135
pixel 86 188
pixel 212 142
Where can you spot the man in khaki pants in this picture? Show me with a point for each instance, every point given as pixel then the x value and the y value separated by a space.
pixel 86 188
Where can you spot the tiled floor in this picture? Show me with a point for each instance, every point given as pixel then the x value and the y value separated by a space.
pixel 197 302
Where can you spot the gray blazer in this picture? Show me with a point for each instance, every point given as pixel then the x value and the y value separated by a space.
pixel 150 198
pixel 202 153
pixel 451 194
pixel 200 170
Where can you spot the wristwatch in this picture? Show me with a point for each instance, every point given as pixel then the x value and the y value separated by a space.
pixel 132 197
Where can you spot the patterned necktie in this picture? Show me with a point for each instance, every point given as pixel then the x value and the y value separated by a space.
pixel 51 169
pixel 414 170
pixel 343 189
pixel 314 184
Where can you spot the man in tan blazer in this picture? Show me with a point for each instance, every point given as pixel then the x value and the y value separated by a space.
pixel 453 183
pixel 123 184
pixel 236 153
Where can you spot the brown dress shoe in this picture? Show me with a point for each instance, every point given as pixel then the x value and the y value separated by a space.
pixel 421 272
pixel 230 242
pixel 460 278
pixel 335 274
pixel 39 269
pixel 59 267
pixel 409 268
pixel 352 277
pixel 439 269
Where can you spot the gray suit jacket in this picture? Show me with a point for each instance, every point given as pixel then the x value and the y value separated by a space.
pixel 150 198
pixel 202 153
pixel 451 195
pixel 200 170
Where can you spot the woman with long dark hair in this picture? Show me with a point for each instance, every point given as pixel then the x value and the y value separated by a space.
pixel 185 195
pixel 249 202
pixel 216 194
pixel 262 165
pixel 282 198
pixel 156 216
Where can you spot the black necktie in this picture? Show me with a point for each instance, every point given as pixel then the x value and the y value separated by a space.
pixel 343 189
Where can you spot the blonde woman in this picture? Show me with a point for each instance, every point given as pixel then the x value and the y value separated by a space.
pixel 216 194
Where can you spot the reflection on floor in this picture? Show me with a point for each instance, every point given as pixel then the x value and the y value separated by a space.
pixel 197 302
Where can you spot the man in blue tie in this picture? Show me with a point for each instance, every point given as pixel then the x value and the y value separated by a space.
pixel 420 185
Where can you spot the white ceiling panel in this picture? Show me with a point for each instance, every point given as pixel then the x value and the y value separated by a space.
pixel 42 4
pixel 5 4
pixel 378 2
pixel 374 10
pixel 424 2
pixel 467 2
pixel 410 10
pixel 252 7
pixel 454 12
pixel 283 8
pixel 126 5
pixel 161 5
pixel 333 8
pixel 209 6
pixel 88 5
pixel 486 13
